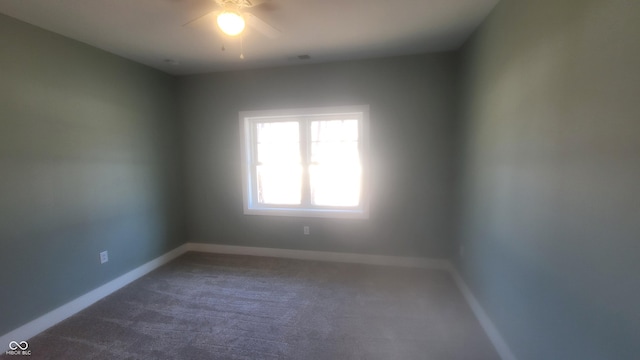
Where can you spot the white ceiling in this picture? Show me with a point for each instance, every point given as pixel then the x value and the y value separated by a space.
pixel 152 31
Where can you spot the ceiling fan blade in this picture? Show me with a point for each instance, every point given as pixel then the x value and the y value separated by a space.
pixel 265 5
pixel 253 3
pixel 206 19
pixel 262 27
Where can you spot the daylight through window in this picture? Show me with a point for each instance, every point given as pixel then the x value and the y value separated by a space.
pixel 305 162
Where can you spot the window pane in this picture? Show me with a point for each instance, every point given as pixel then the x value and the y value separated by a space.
pixel 278 142
pixel 279 173
pixel 339 152
pixel 335 141
pixel 335 172
pixel 335 130
pixel 335 185
pixel 279 184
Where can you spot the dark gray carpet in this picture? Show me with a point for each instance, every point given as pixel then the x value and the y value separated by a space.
pixel 207 306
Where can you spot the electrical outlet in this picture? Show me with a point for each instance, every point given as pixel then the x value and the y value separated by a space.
pixel 306 230
pixel 104 257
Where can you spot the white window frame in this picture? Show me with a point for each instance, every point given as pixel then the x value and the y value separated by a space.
pixel 306 209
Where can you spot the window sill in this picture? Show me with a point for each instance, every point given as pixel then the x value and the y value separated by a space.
pixel 315 213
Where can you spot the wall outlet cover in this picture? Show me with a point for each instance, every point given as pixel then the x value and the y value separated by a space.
pixel 104 257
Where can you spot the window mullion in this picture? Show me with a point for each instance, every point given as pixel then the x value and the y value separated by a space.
pixel 253 157
pixel 305 139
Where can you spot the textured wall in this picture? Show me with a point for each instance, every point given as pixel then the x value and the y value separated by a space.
pixel 551 195
pixel 411 120
pixel 87 140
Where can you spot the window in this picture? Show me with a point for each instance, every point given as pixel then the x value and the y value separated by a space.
pixel 305 162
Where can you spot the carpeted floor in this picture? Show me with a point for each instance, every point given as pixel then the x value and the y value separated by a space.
pixel 208 306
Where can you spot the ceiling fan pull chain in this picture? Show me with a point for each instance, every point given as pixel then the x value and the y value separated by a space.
pixel 241 47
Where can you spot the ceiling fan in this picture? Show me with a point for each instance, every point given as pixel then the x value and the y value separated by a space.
pixel 233 15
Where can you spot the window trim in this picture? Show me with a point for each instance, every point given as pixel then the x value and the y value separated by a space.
pixel 247 151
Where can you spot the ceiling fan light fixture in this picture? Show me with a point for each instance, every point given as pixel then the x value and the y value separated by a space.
pixel 231 22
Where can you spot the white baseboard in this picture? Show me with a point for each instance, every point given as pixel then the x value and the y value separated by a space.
pixel 53 317
pixel 403 261
pixel 489 328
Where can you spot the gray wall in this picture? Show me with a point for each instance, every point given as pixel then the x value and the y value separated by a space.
pixel 87 140
pixel 551 194
pixel 411 101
